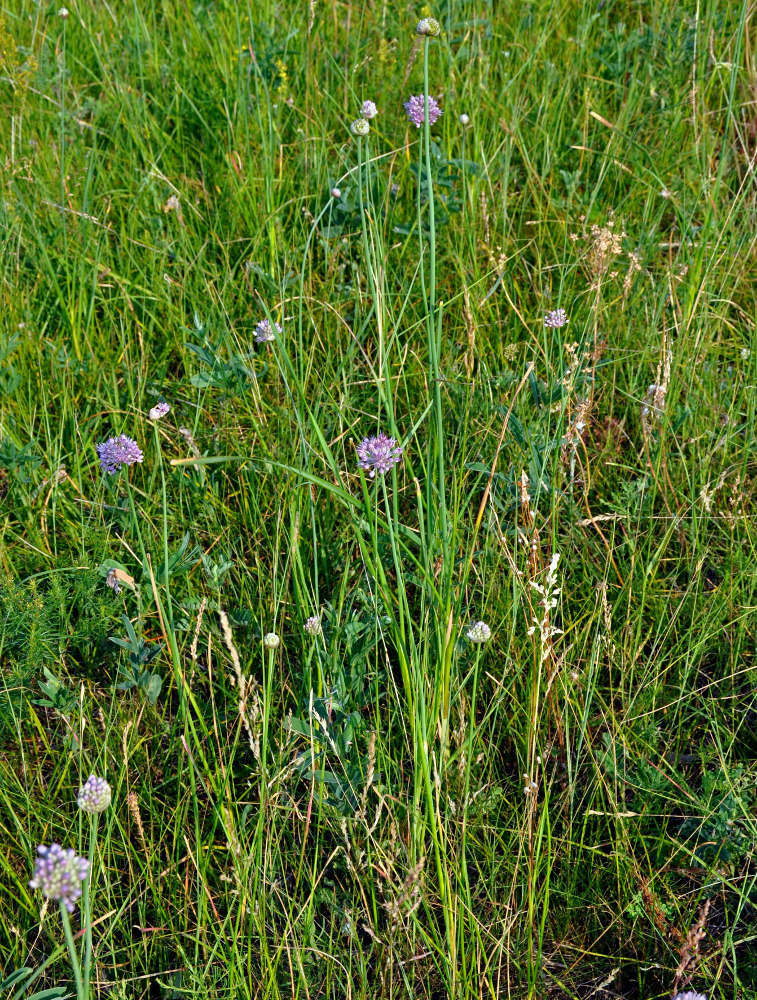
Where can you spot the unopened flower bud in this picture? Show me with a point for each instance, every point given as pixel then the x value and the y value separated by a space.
pixel 94 795
pixel 429 26
pixel 271 640
pixel 360 127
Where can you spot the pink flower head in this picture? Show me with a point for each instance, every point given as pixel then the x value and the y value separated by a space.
pixel 415 109
pixel 378 454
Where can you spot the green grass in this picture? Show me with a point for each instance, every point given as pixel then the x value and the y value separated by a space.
pixel 345 816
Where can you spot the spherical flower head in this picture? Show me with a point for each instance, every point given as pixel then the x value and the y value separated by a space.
pixel 360 127
pixel 159 411
pixel 63 13
pixel 478 632
pixel 336 193
pixel 59 873
pixel 117 452
pixel 428 26
pixel 94 795
pixel 266 331
pixel 689 995
pixel 368 110
pixel 415 108
pixel 556 319
pixel 378 454
pixel 313 625
pixel 271 640
pixel 464 119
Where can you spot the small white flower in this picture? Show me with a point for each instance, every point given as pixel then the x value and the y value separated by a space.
pixel 360 127
pixel 745 353
pixel 63 13
pixel 479 632
pixel 368 110
pixel 464 120
pixel 158 411
pixel 428 26
pixel 313 625
pixel 664 193
pixel 271 640
pixel 336 193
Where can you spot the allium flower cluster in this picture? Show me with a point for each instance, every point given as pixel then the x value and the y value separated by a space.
pixel 271 640
pixel 428 26
pixel 59 873
pixel 378 454
pixel 117 452
pixel 158 411
pixel 266 331
pixel 94 795
pixel 415 108
pixel 556 319
pixel 111 580
pixel 689 995
pixel 360 127
pixel 464 119
pixel 368 110
pixel 478 632
pixel 313 625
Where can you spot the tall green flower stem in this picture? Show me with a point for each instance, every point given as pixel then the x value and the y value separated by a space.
pixel 436 494
pixel 433 323
pixel 72 952
pixel 374 266
pixel 86 908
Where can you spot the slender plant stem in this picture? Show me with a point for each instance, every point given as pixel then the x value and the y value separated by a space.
pixel 87 905
pixel 72 953
pixel 434 337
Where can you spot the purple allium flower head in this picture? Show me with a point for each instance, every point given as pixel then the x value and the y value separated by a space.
pixel 111 580
pixel 689 995
pixel 116 452
pixel 94 795
pixel 378 454
pixel 158 411
pixel 556 319
pixel 59 873
pixel 368 110
pixel 416 108
pixel 313 625
pixel 265 331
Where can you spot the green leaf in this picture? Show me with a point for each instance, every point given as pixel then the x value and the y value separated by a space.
pixel 153 688
pixel 14 977
pixel 54 991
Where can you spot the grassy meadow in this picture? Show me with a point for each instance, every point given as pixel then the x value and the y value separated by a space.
pixel 329 778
